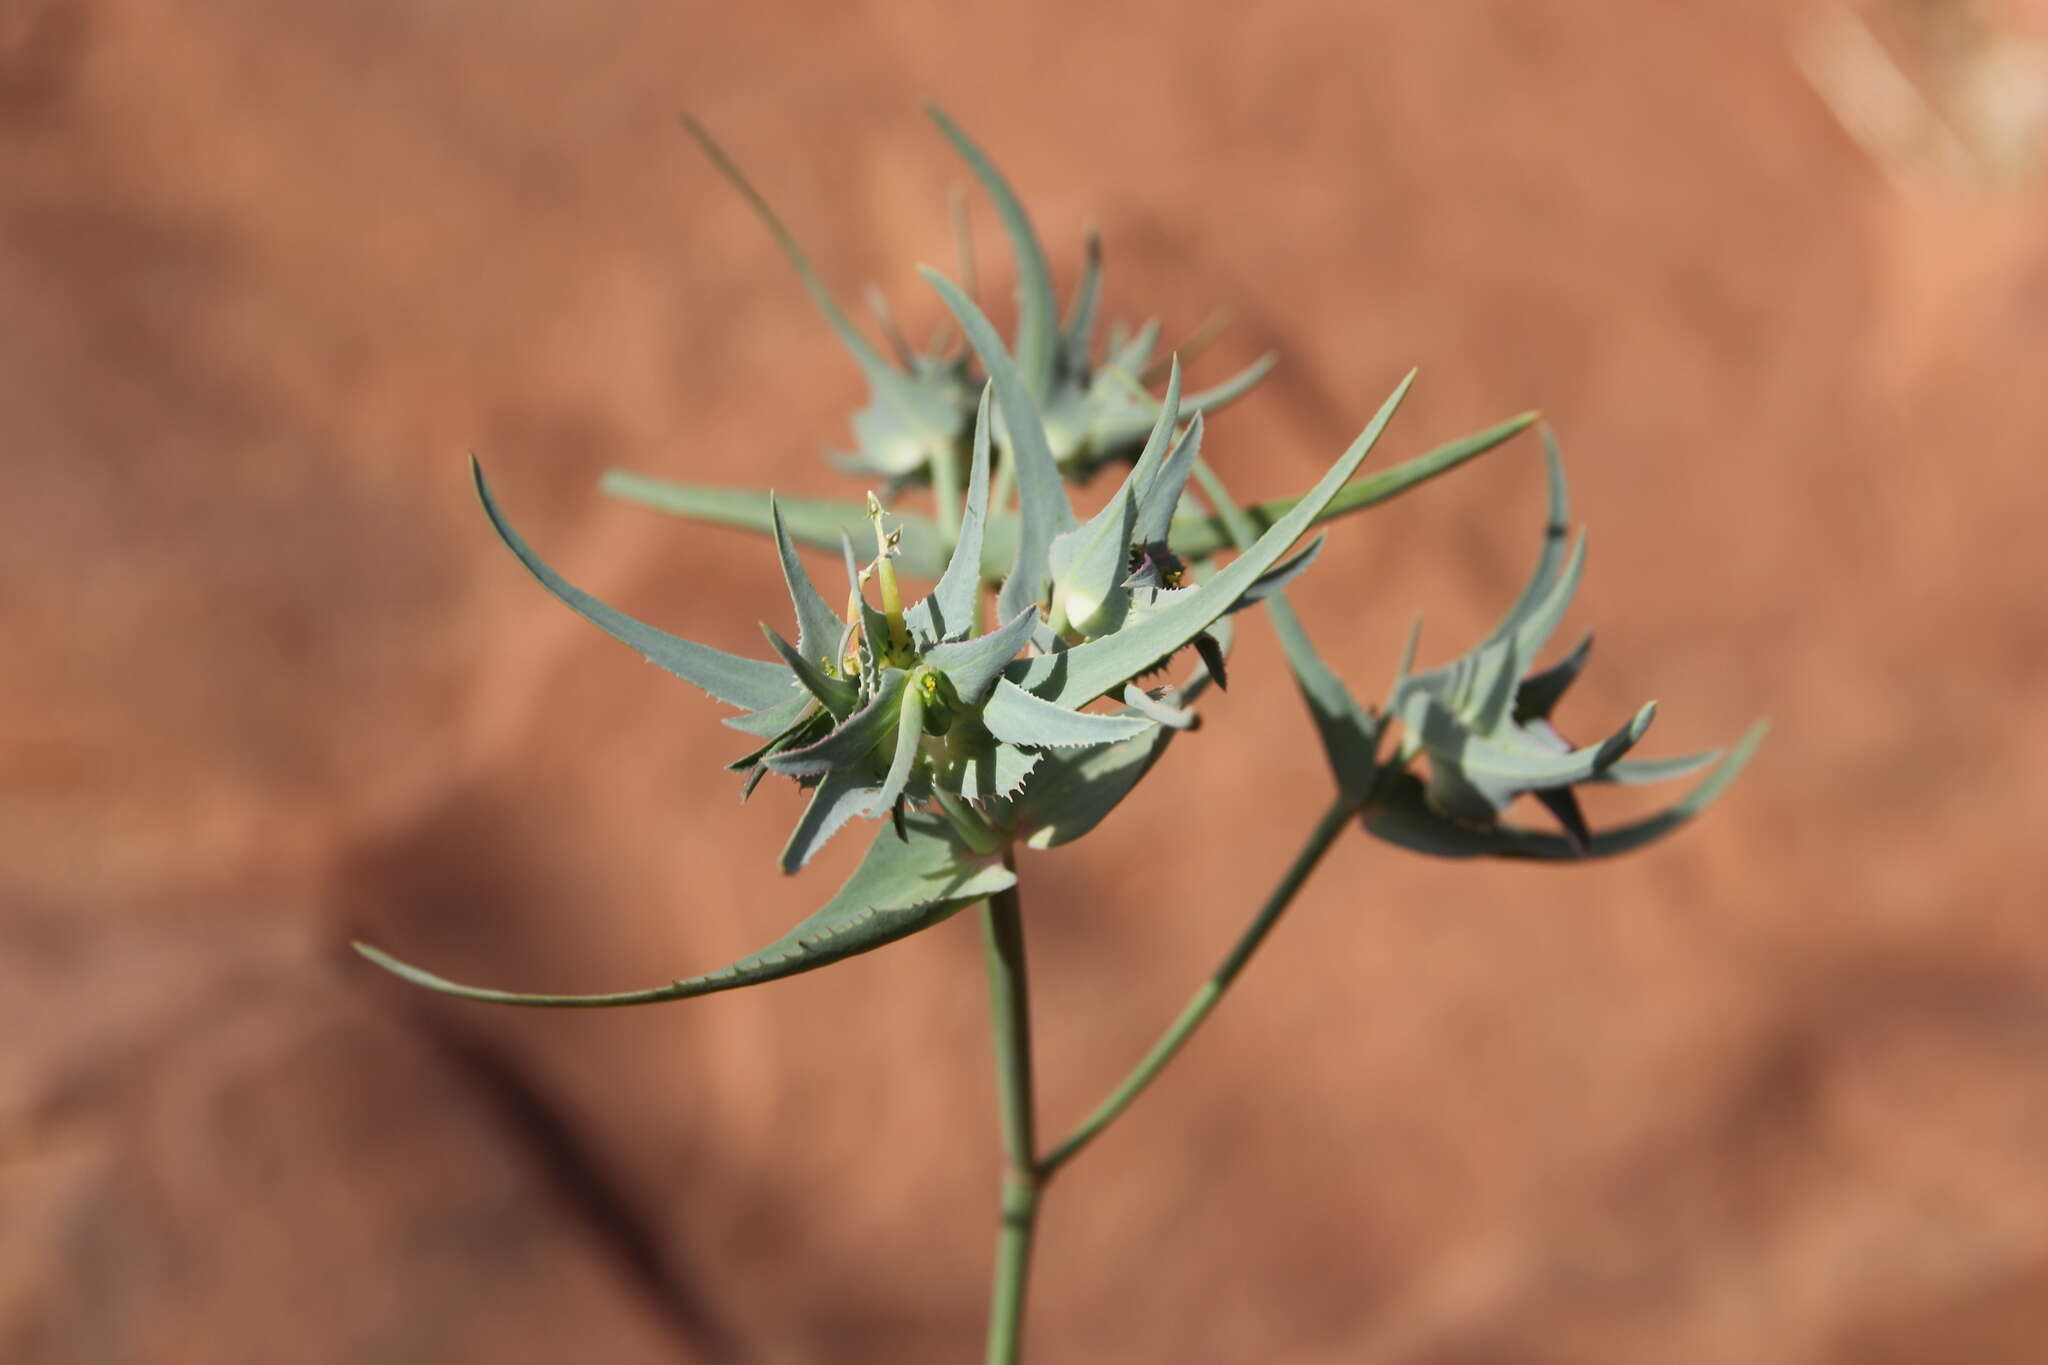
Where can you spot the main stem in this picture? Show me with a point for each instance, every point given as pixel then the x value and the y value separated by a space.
pixel 1205 999
pixel 1009 990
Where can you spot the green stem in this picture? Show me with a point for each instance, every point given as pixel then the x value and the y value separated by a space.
pixel 1010 1013
pixel 1176 1036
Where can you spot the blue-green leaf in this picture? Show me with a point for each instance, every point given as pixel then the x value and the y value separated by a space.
pixel 909 731
pixel 1401 815
pixel 915 405
pixel 1162 494
pixel 818 626
pixel 817 522
pixel 1556 527
pixel 1078 334
pixel 1195 536
pixel 949 613
pixel 1350 737
pixel 902 886
pixel 852 740
pixel 1071 791
pixel 840 695
pixel 1087 671
pixel 1016 717
pixel 1043 508
pixel 839 796
pixel 751 684
pixel 1035 307
pixel 972 665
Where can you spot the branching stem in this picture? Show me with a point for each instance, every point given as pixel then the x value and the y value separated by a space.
pixel 1197 1009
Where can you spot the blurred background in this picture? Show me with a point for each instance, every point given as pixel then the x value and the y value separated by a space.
pixel 1776 1090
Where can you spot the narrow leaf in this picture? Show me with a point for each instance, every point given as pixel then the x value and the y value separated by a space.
pixel 816 522
pixel 852 740
pixel 950 610
pixel 1017 717
pixel 1162 495
pixel 902 886
pixel 838 798
pixel 818 626
pixel 1043 509
pixel 909 731
pixel 751 684
pixel 1035 307
pixel 839 695
pixel 972 665
pixel 1089 670
pixel 1401 815
pixel 1197 536
pixel 889 383
pixel 1349 736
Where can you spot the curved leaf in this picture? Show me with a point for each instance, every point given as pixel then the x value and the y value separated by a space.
pixel 1043 508
pixel 889 383
pixel 1087 671
pixel 1401 815
pixel 1036 322
pixel 902 886
pixel 1016 717
pixel 817 625
pixel 949 613
pixel 752 684
pixel 1195 536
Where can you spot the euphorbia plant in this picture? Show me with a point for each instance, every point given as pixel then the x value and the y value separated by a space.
pixel 1018 701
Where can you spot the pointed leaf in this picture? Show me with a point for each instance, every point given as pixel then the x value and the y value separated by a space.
pixel 852 740
pixel 838 798
pixel 774 719
pixel 949 613
pixel 752 684
pixel 1277 578
pixel 890 384
pixel 1089 670
pixel 1167 714
pixel 839 695
pixel 1071 791
pixel 1158 441
pixel 972 665
pixel 1350 737
pixel 1556 526
pixel 1035 307
pixel 1402 816
pixel 1016 717
pixel 1197 536
pixel 1533 623
pixel 1539 693
pixel 1162 495
pixel 1044 511
pixel 818 626
pixel 1078 334
pixel 815 522
pixel 1631 772
pixel 909 731
pixel 902 886
pixel 1089 564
